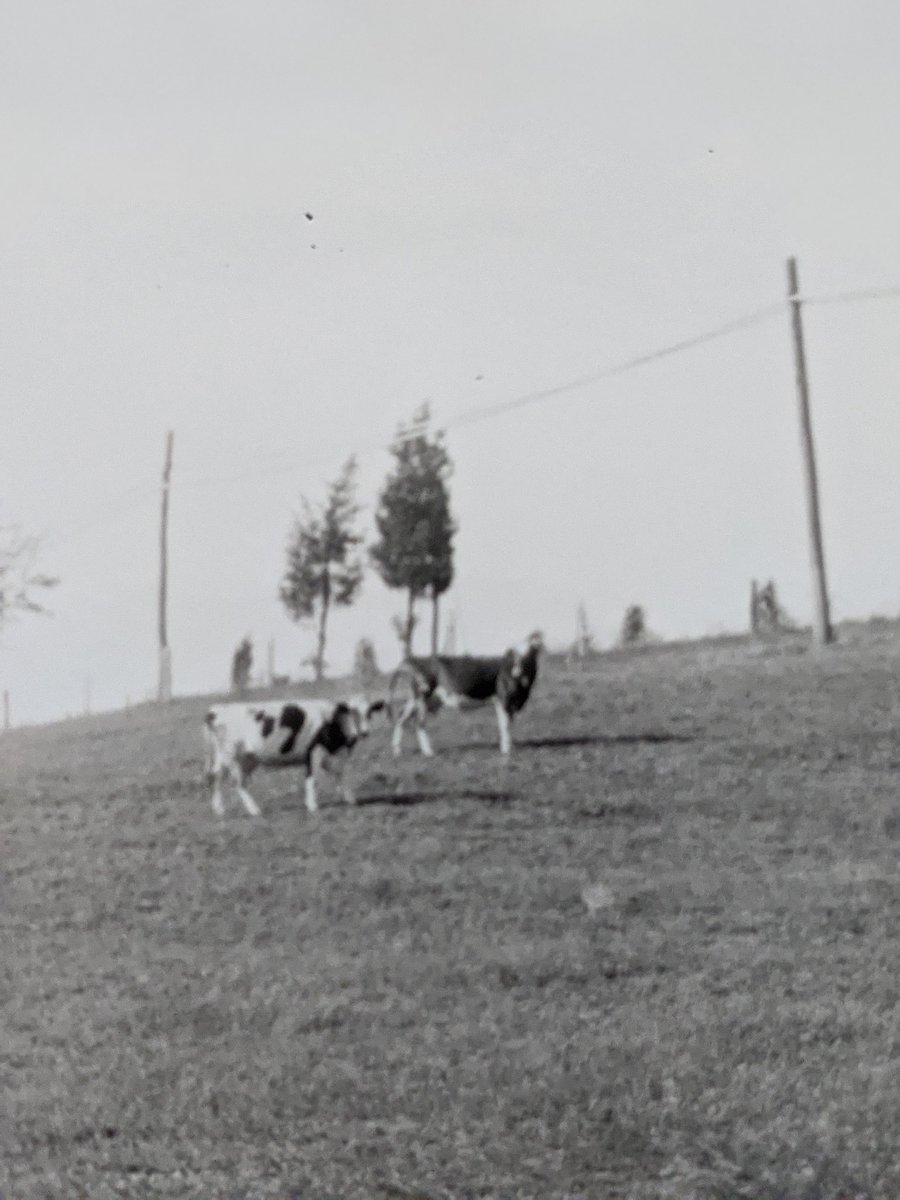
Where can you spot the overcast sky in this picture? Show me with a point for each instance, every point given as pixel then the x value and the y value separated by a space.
pixel 506 195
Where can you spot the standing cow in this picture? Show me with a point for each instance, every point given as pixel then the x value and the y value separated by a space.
pixel 423 685
pixel 282 733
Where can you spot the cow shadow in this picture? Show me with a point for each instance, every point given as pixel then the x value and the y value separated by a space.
pixel 411 798
pixel 648 738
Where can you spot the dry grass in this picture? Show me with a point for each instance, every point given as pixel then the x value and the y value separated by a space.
pixel 412 999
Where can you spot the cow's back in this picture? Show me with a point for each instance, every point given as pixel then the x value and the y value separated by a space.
pixel 463 675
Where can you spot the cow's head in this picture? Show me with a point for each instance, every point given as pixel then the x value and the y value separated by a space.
pixel 525 656
pixel 519 672
pixel 354 715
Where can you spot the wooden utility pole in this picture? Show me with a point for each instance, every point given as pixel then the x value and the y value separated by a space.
pixel 165 656
pixel 6 711
pixel 822 630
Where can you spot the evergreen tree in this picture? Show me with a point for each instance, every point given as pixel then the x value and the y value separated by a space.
pixel 241 666
pixel 323 569
pixel 414 550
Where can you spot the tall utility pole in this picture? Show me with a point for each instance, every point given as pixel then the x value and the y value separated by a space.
pixel 822 630
pixel 165 656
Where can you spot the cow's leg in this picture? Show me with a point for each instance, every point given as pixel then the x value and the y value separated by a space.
pixel 424 740
pixel 339 765
pixel 210 757
pixel 421 732
pixel 504 723
pixel 345 777
pixel 406 712
pixel 309 785
pixel 240 775
pixel 218 804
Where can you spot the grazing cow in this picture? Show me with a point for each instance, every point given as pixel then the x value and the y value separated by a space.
pixel 464 681
pixel 282 733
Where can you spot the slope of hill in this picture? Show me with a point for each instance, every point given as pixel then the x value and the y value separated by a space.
pixel 654 955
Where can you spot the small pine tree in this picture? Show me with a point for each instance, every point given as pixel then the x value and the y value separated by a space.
pixel 241 666
pixel 323 569
pixel 414 550
pixel 634 626
pixel 365 666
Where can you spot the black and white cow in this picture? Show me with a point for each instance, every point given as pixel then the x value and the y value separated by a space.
pixel 464 681
pixel 282 733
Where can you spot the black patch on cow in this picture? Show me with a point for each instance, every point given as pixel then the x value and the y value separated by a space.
pixel 333 734
pixel 292 718
pixel 516 679
pixel 462 675
pixel 267 722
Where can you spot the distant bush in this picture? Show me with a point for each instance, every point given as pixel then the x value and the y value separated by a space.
pixel 634 626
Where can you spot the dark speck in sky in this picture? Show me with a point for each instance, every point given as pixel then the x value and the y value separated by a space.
pixel 309 216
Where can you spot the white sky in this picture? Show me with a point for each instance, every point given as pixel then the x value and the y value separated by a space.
pixel 525 192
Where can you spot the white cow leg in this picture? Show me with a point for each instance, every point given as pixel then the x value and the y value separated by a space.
pixel 249 803
pixel 405 713
pixel 217 776
pixel 424 741
pixel 240 777
pixel 504 723
pixel 312 803
pixel 347 789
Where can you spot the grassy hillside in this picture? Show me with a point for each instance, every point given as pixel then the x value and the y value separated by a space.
pixel 655 955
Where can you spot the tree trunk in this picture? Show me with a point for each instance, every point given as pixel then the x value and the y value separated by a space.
pixel 435 621
pixel 410 623
pixel 323 625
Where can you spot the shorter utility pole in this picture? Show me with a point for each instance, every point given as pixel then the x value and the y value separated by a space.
pixel 6 711
pixel 822 630
pixel 165 657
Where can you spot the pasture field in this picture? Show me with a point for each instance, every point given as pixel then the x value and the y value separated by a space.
pixel 654 956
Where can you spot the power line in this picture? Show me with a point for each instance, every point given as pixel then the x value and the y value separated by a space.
pixel 471 416
pixel 485 411
pixel 849 297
